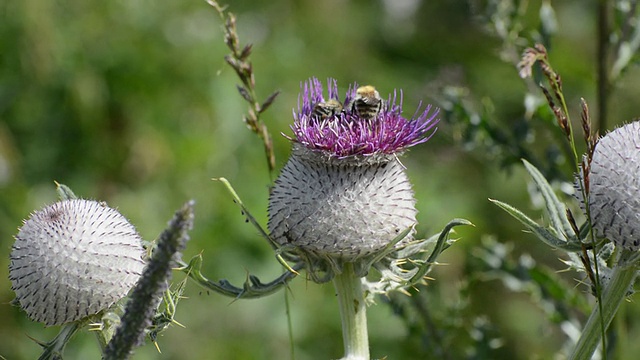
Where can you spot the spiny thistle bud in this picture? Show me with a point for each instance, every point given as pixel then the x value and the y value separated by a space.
pixel 74 259
pixel 343 194
pixel 614 186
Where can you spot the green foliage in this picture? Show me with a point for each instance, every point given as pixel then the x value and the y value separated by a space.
pixel 132 103
pixel 559 233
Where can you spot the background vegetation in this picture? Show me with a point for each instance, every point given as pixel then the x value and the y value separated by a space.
pixel 131 102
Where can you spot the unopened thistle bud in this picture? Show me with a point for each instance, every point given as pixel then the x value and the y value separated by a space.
pixel 344 194
pixel 74 259
pixel 614 186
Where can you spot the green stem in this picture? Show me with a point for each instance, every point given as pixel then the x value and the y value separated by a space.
pixel 353 312
pixel 612 296
pixel 287 305
pixel 603 82
pixel 54 349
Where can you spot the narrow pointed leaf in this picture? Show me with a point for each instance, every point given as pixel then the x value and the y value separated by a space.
pixel 251 289
pixel 544 234
pixel 441 245
pixel 246 212
pixel 555 208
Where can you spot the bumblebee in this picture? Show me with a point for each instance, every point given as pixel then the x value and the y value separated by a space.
pixel 326 109
pixel 367 104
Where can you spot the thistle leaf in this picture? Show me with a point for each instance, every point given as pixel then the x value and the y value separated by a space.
pixel 64 192
pixel 246 212
pixel 251 289
pixel 546 235
pixel 441 245
pixel 556 210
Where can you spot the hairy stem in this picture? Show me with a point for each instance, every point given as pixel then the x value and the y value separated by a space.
pixel 353 312
pixel 54 349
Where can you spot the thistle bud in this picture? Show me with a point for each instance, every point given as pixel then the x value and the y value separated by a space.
pixel 74 259
pixel 614 186
pixel 343 194
pixel 344 208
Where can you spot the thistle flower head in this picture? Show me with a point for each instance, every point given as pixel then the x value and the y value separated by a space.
pixel 614 186
pixel 343 196
pixel 74 259
pixel 348 133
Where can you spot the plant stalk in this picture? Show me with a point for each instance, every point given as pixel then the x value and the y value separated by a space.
pixel 53 350
pixel 603 64
pixel 353 312
pixel 612 296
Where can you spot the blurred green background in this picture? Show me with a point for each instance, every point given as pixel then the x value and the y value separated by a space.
pixel 131 102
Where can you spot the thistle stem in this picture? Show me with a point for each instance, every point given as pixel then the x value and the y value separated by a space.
pixel 612 296
pixel 353 312
pixel 55 348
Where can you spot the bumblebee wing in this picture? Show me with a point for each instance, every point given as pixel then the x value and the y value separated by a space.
pixel 371 101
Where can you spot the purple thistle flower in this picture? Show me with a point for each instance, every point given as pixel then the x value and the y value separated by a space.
pixel 347 134
pixel 344 196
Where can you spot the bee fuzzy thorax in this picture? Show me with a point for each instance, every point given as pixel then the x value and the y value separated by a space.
pixel 367 91
pixel 367 103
